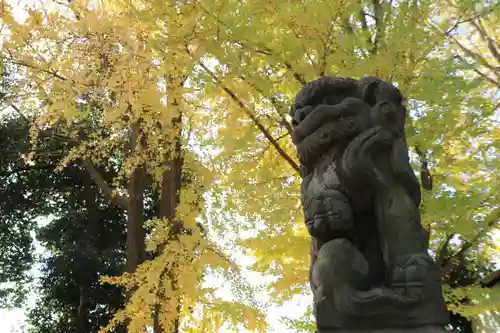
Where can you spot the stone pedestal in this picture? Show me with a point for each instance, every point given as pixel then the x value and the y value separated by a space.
pixel 423 329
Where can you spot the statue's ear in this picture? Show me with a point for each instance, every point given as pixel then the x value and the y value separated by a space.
pixel 368 86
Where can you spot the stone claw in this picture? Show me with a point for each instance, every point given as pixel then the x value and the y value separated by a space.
pixel 413 270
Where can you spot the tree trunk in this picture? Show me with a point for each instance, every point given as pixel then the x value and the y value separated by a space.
pixel 135 242
pixel 93 226
pixel 83 312
pixel 169 200
pixel 135 221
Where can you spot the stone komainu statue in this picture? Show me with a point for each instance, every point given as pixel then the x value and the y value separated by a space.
pixel 369 262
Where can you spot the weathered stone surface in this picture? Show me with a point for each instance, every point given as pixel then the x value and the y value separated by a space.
pixel 369 262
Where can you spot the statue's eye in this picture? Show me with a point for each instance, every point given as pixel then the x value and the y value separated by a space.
pixel 302 113
pixel 298 116
pixel 387 109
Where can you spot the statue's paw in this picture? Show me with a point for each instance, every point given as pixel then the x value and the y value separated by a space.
pixel 357 158
pixel 339 263
pixel 414 269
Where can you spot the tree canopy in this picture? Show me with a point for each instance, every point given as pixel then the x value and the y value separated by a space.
pixel 156 93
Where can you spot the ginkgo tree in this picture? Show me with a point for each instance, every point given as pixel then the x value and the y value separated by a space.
pixel 88 74
pixel 138 83
pixel 263 60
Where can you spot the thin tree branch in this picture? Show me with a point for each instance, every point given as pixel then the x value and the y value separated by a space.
pixel 485 76
pixel 379 25
pixel 473 54
pixel 347 26
pixel 53 73
pixel 118 199
pixel 295 74
pixel 444 251
pixel 326 50
pixel 254 119
pixel 492 47
pixel 266 182
pixel 466 20
pixel 425 175
pixel 278 106
pixel 491 220
pixel 262 50
pixel 481 74
pixel 18 111
pixel 311 60
pixel 362 18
